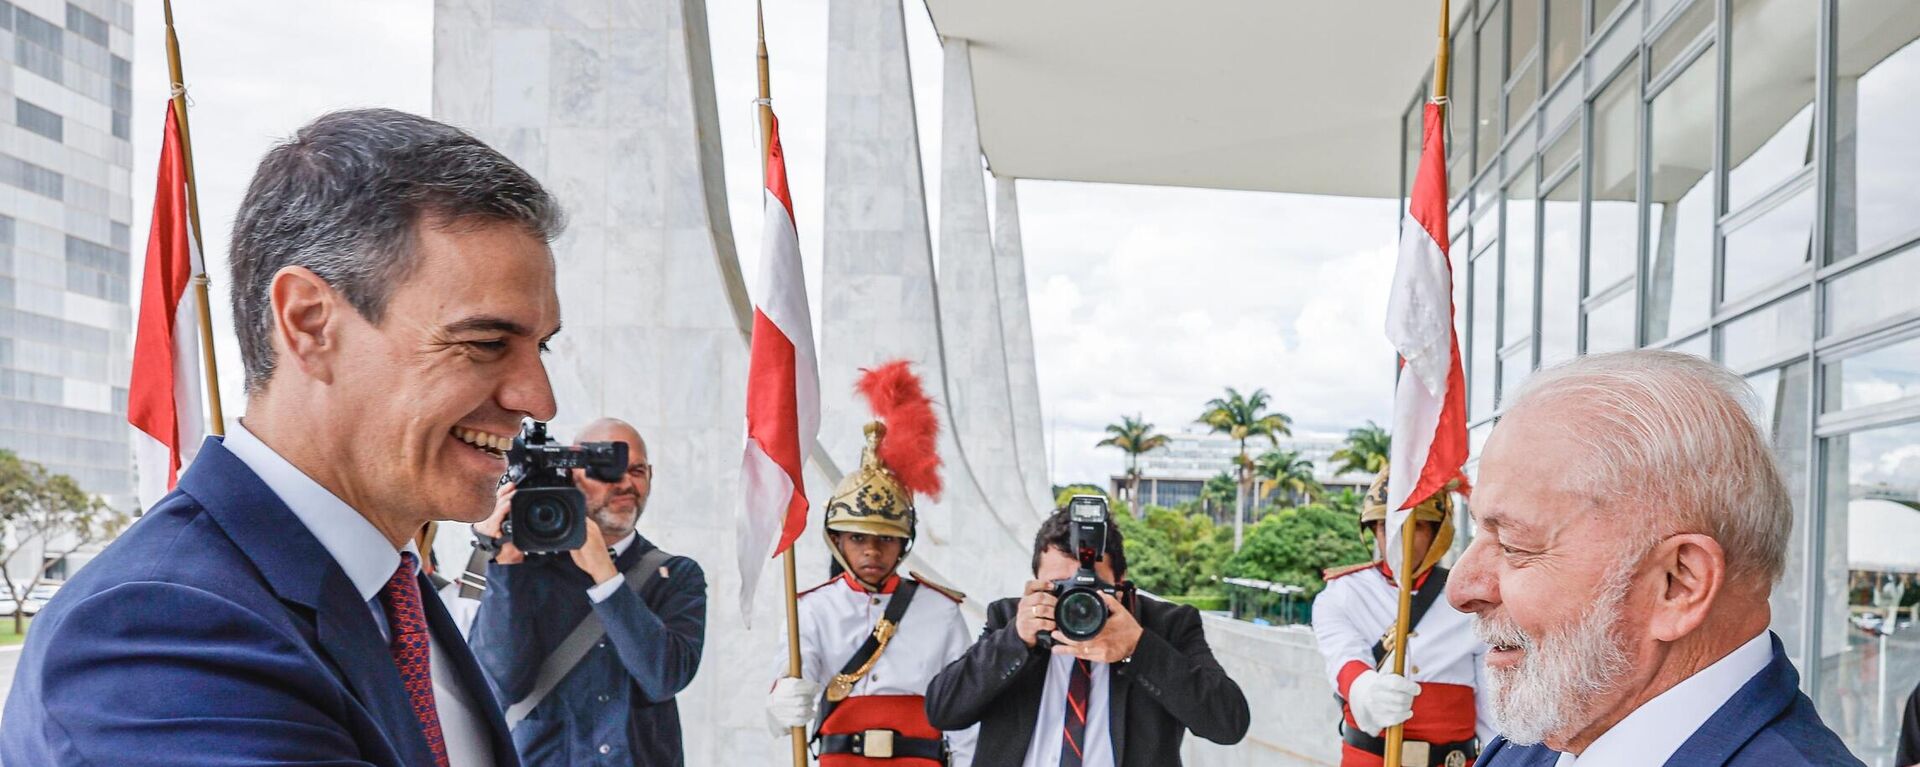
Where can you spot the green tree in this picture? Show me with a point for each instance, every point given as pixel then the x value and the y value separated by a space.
pixel 1133 436
pixel 1294 545
pixel 1218 493
pixel 1243 418
pixel 1289 473
pixel 1366 450
pixel 48 514
pixel 1346 502
pixel 1174 554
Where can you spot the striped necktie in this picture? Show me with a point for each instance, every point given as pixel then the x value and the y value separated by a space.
pixel 1072 742
pixel 412 654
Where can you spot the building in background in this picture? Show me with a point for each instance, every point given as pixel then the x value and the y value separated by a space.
pixel 1734 179
pixel 65 238
pixel 1177 474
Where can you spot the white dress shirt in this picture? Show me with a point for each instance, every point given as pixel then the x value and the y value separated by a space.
pixel 1043 749
pixel 369 560
pixel 1659 727
pixel 600 591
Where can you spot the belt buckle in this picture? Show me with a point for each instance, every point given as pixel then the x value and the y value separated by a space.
pixel 1416 753
pixel 877 744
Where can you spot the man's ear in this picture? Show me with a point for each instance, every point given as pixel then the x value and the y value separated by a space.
pixel 306 315
pixel 1692 570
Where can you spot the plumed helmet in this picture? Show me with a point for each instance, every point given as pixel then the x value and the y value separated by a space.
pixel 901 459
pixel 1437 508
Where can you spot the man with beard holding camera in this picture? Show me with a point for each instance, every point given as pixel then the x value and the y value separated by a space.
pixel 1123 697
pixel 593 695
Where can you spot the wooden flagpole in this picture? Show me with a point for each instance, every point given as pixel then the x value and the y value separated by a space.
pixel 1402 626
pixel 216 417
pixel 799 734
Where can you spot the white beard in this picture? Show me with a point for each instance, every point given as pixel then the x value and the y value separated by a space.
pixel 1559 681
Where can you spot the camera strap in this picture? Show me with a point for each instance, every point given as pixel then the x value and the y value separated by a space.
pixel 869 653
pixel 584 636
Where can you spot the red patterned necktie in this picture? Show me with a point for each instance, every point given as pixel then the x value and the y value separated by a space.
pixel 407 622
pixel 1078 688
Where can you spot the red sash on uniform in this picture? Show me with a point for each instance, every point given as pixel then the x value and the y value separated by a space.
pixel 906 715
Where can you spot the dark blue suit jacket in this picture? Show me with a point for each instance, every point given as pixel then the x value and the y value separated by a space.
pixel 620 697
pixel 1768 723
pixel 218 631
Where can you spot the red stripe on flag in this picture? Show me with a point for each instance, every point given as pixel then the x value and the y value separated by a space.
pixel 773 415
pixel 777 171
pixel 169 269
pixel 1428 206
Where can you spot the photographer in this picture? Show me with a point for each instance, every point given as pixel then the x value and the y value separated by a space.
pixel 613 704
pixel 1125 696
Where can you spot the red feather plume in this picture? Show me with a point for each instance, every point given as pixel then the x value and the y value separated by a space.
pixel 911 447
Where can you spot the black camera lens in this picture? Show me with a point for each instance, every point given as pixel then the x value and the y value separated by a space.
pixel 1080 614
pixel 546 518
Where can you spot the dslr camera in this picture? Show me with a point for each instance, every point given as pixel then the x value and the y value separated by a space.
pixel 549 514
pixel 1080 613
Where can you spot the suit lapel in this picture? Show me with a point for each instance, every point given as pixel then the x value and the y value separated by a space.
pixel 1757 703
pixel 350 637
pixel 447 636
pixel 1118 691
pixel 1503 753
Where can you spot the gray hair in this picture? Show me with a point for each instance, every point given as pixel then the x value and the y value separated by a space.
pixel 343 198
pixel 1674 437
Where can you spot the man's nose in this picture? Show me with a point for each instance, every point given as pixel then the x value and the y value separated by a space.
pixel 1471 586
pixel 526 389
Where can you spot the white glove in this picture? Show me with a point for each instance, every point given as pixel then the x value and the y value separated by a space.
pixel 1379 701
pixel 791 704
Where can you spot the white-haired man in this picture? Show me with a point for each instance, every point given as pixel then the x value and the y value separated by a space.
pixel 1631 525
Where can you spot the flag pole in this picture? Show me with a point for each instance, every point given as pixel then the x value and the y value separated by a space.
pixel 217 423
pixel 765 102
pixel 1402 626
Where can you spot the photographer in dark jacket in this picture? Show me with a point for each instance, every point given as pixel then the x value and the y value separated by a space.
pixel 615 705
pixel 1122 698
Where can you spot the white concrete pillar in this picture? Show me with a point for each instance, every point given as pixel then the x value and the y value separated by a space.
pixel 1016 328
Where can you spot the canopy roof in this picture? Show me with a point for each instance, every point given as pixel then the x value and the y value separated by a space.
pixel 1881 535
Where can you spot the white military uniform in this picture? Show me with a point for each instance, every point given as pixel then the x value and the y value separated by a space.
pixel 836 617
pixel 1357 608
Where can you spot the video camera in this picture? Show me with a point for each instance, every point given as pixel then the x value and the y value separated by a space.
pixel 1080 613
pixel 549 514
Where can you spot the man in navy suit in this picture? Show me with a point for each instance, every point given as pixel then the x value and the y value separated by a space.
pixel 392 289
pixel 1631 524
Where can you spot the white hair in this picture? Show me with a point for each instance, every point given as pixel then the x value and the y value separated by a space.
pixel 1674 449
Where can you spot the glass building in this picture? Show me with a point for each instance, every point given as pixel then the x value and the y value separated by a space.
pixel 65 238
pixel 1736 179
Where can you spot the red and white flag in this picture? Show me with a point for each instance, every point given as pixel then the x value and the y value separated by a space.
pixel 163 397
pixel 1430 403
pixel 783 389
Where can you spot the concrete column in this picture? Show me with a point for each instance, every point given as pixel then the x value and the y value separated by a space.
pixel 611 105
pixel 878 296
pixel 970 311
pixel 1016 329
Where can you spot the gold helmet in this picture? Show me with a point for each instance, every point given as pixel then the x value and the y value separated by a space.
pixel 1437 508
pixel 901 458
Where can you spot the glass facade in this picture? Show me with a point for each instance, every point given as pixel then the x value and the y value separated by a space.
pixel 1733 179
pixel 66 239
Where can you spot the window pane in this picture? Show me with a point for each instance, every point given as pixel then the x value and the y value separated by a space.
pixel 1883 375
pixel 1411 148
pixel 1680 206
pixel 1674 39
pixel 1784 397
pixel 1562 149
pixel 1603 10
pixel 1459 83
pixel 1517 313
pixel 1876 292
pixel 1870 519
pixel 1610 325
pixel 1563 36
pixel 1487 122
pixel 1782 327
pixel 1526 34
pixel 1526 90
pixel 1560 271
pixel 1515 366
pixel 1771 86
pixel 1615 172
pixel 1878 181
pixel 1484 348
pixel 1770 247
pixel 1698 346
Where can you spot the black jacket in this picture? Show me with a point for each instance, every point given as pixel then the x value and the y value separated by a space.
pixel 1910 733
pixel 1171 684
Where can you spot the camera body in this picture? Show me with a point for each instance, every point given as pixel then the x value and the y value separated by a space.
pixel 549 514
pixel 1079 613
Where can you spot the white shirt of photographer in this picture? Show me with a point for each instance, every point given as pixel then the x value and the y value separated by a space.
pixel 1050 730
pixel 368 559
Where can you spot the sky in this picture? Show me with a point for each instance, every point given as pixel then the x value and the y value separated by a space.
pixel 1145 300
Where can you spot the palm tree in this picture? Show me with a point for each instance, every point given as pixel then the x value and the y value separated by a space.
pixel 1217 493
pixel 1134 436
pixel 1243 418
pixel 1286 470
pixel 1366 450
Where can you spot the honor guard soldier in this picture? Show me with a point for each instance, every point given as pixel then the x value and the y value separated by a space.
pixel 1353 619
pixel 871 640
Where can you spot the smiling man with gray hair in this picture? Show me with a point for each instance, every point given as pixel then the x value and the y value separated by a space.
pixel 1631 524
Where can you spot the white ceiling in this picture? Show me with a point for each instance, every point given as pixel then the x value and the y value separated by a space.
pixel 1270 95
